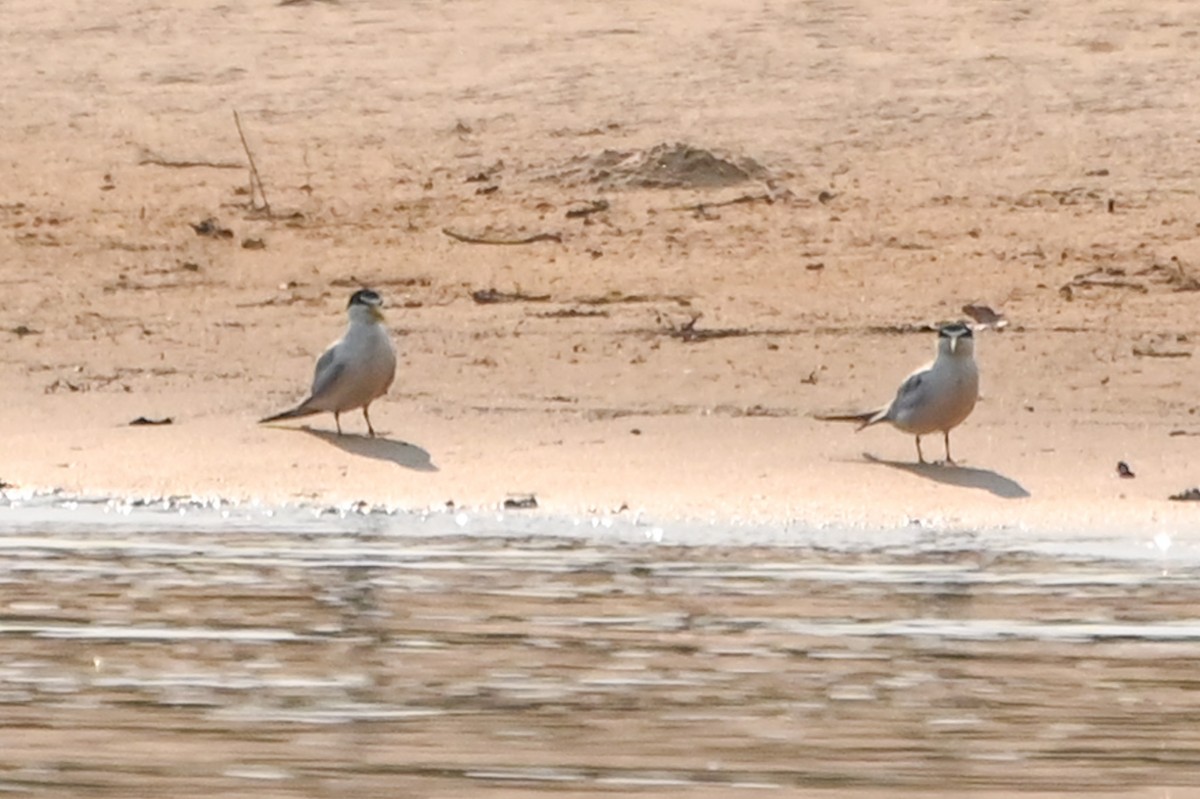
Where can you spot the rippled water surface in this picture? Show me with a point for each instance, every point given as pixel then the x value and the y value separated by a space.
pixel 201 652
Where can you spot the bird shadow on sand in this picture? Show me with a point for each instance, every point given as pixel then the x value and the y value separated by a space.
pixel 961 476
pixel 401 453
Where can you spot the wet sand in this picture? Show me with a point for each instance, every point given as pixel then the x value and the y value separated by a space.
pixel 665 352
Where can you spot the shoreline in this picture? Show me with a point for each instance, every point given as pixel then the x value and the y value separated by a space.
pixel 26 515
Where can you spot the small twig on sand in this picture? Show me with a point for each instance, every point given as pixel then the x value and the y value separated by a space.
pixel 492 296
pixel 484 240
pixel 151 158
pixel 255 179
pixel 745 198
pixel 593 207
pixel 1152 352
pixel 145 421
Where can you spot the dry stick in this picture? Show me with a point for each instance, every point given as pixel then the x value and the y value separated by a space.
pixel 151 158
pixel 1085 281
pixel 593 207
pixel 1150 352
pixel 254 176
pixel 480 240
pixel 745 198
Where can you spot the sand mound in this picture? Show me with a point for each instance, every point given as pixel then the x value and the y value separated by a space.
pixel 664 166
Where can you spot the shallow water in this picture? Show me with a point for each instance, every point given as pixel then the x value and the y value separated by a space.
pixel 175 649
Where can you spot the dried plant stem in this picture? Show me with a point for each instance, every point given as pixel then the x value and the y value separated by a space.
pixel 255 180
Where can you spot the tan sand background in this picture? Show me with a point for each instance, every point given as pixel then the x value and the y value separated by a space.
pixel 918 155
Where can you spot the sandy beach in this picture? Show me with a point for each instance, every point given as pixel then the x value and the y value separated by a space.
pixel 731 216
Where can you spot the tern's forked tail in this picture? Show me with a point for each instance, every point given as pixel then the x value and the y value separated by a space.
pixel 863 418
pixel 294 413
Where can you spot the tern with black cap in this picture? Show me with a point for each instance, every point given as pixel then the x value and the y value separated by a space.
pixel 937 397
pixel 356 370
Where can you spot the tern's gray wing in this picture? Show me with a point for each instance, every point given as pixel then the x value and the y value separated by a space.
pixel 325 376
pixel 909 396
